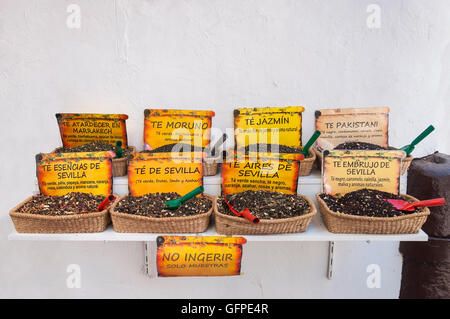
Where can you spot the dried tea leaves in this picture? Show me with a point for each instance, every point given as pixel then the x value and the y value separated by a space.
pixel 265 204
pixel 152 205
pixel 175 147
pixel 69 204
pixel 365 202
pixel 271 147
pixel 358 146
pixel 95 147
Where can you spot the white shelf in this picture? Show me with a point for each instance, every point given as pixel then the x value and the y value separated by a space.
pixel 315 232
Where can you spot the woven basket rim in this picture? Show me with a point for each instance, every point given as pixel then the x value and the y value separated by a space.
pixel 408 158
pixel 269 221
pixel 210 161
pixel 426 212
pixel 156 219
pixel 119 160
pixel 14 213
pixel 311 158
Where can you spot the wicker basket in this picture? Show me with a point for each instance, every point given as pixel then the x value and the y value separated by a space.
pixel 234 225
pixel 119 165
pixel 93 222
pixel 307 164
pixel 210 167
pixel 350 224
pixel 128 223
pixel 405 161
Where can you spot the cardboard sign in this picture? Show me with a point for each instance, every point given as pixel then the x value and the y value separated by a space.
pixel 268 125
pixel 268 174
pixel 163 127
pixel 164 172
pixel 80 129
pixel 337 126
pixel 346 171
pixel 199 256
pixel 84 172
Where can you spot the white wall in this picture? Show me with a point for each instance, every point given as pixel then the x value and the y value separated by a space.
pixel 210 54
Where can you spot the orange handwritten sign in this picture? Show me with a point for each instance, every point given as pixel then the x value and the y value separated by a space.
pixel 78 172
pixel 163 127
pixel 345 171
pixel 80 129
pixel 199 256
pixel 164 172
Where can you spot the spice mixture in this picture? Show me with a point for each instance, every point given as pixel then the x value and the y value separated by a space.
pixel 69 204
pixel 358 146
pixel 276 147
pixel 179 147
pixel 152 205
pixel 95 147
pixel 265 204
pixel 365 202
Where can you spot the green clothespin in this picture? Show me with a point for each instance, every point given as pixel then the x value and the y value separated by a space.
pixel 118 149
pixel 310 142
pixel 410 147
pixel 174 204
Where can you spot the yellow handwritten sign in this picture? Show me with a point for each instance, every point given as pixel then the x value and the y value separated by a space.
pixel 269 125
pixel 337 126
pixel 163 127
pixel 346 171
pixel 164 172
pixel 199 256
pixel 80 129
pixel 78 172
pixel 269 174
